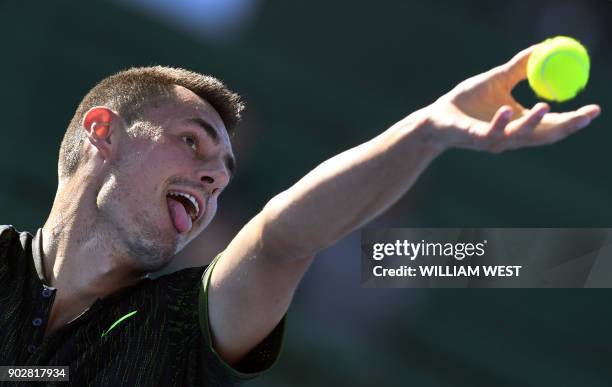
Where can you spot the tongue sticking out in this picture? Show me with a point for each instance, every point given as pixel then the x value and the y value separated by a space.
pixel 179 215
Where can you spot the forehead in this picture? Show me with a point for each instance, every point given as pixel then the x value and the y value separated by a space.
pixel 185 105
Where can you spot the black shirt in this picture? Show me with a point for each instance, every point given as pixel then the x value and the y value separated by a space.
pixel 155 333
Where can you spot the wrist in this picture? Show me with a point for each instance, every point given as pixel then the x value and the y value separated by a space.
pixel 419 129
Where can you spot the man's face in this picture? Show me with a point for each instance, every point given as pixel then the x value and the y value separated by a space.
pixel 166 177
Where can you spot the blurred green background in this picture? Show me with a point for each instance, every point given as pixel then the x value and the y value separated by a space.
pixel 319 77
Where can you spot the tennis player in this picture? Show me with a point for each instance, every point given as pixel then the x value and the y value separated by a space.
pixel 141 168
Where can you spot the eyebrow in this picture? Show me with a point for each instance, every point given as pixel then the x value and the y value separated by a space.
pixel 230 161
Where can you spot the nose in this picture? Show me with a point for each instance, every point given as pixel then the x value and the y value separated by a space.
pixel 214 176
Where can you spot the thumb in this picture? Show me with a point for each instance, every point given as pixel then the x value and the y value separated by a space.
pixel 515 70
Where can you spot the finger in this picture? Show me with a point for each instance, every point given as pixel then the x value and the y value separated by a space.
pixel 592 111
pixel 562 128
pixel 515 70
pixel 501 118
pixel 529 121
pixel 556 126
pixel 552 120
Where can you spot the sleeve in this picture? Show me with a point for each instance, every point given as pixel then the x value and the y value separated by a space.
pixel 260 359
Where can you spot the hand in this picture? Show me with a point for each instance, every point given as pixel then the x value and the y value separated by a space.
pixel 480 113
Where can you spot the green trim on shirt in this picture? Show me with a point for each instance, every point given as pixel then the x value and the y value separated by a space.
pixel 119 321
pixel 278 332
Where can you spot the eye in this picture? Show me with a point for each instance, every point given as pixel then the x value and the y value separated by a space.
pixel 190 141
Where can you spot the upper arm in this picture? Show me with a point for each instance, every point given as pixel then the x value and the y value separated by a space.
pixel 250 290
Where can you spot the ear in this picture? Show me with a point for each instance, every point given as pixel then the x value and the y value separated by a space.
pixel 99 123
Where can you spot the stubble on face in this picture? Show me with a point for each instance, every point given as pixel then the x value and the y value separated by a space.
pixel 131 216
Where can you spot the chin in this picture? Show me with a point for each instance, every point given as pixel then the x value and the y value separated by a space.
pixel 151 251
pixel 151 264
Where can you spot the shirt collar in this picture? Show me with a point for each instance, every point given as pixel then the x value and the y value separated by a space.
pixel 37 255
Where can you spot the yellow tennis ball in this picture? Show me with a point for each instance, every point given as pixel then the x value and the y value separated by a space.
pixel 558 68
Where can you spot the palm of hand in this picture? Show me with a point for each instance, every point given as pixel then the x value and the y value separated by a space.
pixel 480 113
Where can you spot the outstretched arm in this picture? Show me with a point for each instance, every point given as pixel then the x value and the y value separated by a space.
pixel 253 282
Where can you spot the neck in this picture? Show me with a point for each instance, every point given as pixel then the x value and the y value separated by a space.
pixel 82 256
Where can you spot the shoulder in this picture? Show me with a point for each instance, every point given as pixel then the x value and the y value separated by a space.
pixel 6 232
pixel 179 290
pixel 9 234
pixel 172 303
pixel 182 279
pixel 10 239
pixel 13 250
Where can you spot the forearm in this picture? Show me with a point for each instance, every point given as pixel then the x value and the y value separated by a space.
pixel 348 190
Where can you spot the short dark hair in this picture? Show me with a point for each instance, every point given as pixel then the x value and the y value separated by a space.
pixel 129 91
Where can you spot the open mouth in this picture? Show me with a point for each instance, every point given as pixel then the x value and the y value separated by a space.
pixel 184 209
